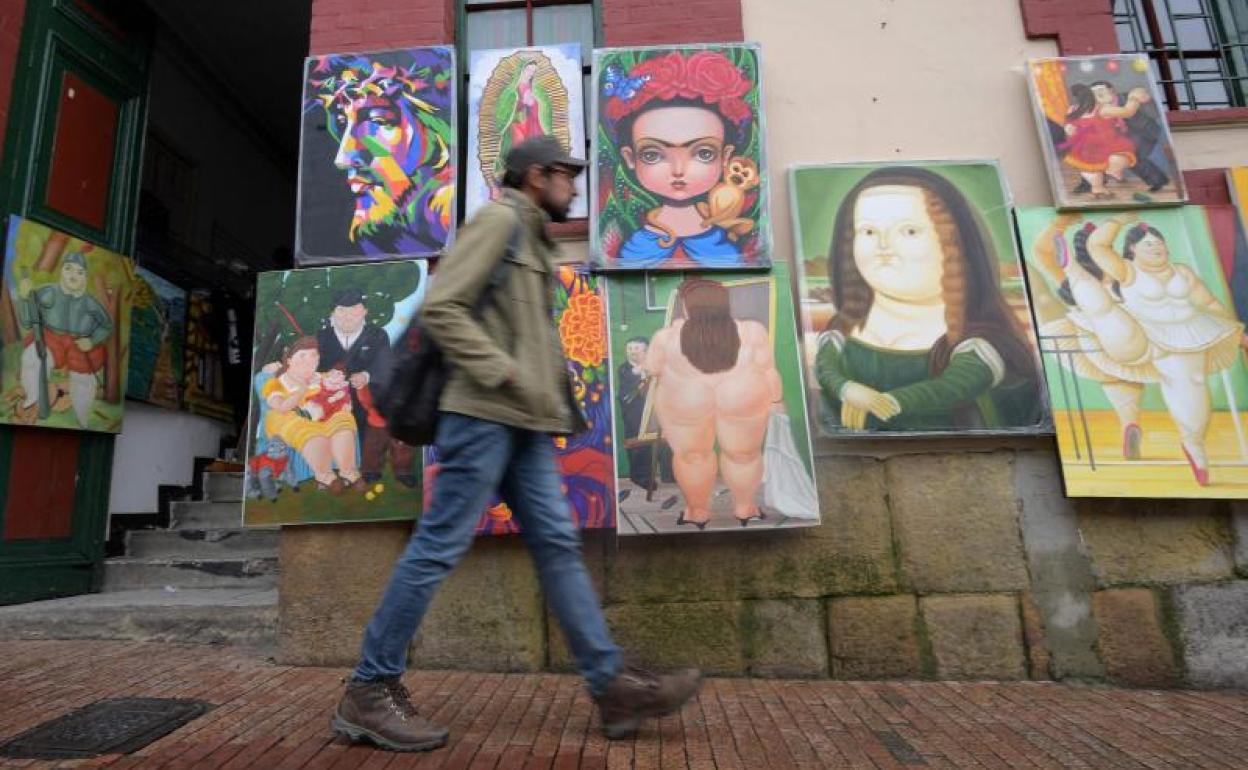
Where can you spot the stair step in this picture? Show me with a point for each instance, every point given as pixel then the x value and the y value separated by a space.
pixel 239 617
pixel 129 573
pixel 202 543
pixel 223 487
pixel 201 514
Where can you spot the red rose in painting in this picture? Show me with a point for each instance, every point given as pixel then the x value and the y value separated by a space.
pixel 706 75
pixel 716 80
pixel 666 77
pixel 710 75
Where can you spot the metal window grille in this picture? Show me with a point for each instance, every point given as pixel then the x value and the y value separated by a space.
pixel 1198 48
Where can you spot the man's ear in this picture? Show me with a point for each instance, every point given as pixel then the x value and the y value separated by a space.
pixel 627 154
pixel 535 177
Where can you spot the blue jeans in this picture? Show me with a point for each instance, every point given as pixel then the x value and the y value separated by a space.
pixel 476 457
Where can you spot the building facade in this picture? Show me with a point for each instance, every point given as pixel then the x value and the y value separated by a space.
pixel 936 557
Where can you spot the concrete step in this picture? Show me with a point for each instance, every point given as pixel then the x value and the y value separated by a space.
pixel 238 617
pixel 129 574
pixel 202 514
pixel 202 543
pixel 220 487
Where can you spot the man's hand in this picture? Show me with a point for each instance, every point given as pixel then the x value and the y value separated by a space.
pixel 84 344
pixel 358 380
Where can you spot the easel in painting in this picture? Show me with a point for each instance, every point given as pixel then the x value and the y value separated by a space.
pixel 1070 345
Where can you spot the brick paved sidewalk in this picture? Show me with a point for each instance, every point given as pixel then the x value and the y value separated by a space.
pixel 270 716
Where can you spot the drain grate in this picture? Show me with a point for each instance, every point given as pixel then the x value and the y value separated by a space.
pixel 114 726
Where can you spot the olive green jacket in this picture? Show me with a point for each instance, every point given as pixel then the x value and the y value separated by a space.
pixel 508 366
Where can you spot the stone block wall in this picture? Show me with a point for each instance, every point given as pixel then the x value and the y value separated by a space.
pixel 968 565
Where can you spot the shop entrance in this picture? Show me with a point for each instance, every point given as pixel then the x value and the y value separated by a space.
pixel 166 132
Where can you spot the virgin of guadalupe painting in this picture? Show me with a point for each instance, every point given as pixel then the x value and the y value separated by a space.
pixel 319 450
pixel 678 169
pixel 64 330
pixel 377 156
pixel 914 312
pixel 585 459
pixel 1104 132
pixel 516 94
pixel 1142 336
pixel 715 364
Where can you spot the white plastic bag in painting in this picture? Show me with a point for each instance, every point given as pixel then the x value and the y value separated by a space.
pixel 788 487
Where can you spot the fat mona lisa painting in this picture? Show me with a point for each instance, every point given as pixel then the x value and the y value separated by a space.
pixel 914 309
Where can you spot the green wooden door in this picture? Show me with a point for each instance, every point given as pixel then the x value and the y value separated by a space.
pixel 71 160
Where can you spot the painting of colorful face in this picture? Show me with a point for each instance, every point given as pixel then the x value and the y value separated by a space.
pixel 513 95
pixel 710 430
pixel 64 330
pixel 1141 317
pixel 586 458
pixel 377 160
pixel 318 447
pixel 679 174
pixel 1104 132
pixel 157 341
pixel 914 312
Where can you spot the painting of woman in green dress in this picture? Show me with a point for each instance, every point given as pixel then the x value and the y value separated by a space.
pixel 921 338
pixel 514 95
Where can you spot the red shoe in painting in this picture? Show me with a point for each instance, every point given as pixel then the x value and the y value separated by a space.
pixel 1131 439
pixel 1201 474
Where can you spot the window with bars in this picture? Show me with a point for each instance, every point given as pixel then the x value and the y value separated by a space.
pixel 1198 48
pixel 487 24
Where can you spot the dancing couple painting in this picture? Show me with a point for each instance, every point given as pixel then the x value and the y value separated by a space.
pixel 722 422
pixel 679 178
pixel 319 449
pixel 1142 349
pixel 1105 137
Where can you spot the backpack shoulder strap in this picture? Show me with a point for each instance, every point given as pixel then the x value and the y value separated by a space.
pixel 499 275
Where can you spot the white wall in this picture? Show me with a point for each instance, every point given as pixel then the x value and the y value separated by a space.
pixel 158 446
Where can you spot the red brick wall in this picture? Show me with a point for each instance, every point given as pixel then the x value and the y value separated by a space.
pixel 361 25
pixel 1207 186
pixel 647 22
pixel 11 14
pixel 1080 26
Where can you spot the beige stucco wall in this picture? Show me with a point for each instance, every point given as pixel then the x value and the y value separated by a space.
pixel 857 80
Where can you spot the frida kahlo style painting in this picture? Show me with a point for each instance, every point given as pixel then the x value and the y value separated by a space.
pixel 678 167
pixel 377 156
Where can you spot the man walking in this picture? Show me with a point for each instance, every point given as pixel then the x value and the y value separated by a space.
pixel 507 393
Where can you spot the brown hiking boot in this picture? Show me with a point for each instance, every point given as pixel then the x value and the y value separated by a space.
pixel 635 694
pixel 382 712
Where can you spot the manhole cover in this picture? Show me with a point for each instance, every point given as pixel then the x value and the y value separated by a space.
pixel 114 726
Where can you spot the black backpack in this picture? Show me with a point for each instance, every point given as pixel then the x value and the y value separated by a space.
pixel 410 403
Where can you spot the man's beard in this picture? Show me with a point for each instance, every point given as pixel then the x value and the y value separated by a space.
pixel 556 212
